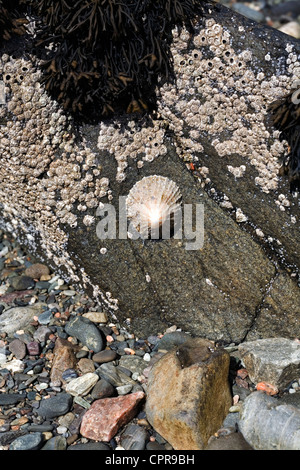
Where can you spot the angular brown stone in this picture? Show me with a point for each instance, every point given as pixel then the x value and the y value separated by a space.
pixel 188 394
pixel 105 417
pixel 64 358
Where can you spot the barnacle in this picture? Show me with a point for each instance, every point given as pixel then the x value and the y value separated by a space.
pixel 286 118
pixel 105 56
pixel 153 204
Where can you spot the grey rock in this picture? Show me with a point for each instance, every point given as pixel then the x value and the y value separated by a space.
pixel 134 437
pixel 113 375
pixel 102 389
pixel 267 424
pixel 272 360
pixel 55 443
pixel 171 340
pixel 10 398
pixel 86 332
pixel 32 441
pixel 18 318
pixel 81 386
pixel 22 282
pixel 216 291
pixel 133 363
pixel 55 406
pixel 45 317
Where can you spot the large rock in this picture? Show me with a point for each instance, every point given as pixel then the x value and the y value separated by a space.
pixel 188 394
pixel 269 424
pixel 272 360
pixel 212 136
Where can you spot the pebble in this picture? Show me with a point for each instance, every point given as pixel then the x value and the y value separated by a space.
pixel 106 355
pixel 32 441
pixel 33 344
pixel 55 406
pixel 82 385
pixel 86 332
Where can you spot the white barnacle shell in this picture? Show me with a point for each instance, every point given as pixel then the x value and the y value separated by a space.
pixel 152 201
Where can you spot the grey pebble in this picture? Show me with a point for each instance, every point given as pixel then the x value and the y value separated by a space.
pixel 86 332
pixel 10 398
pixel 55 406
pixel 134 437
pixel 55 443
pixel 32 441
pixel 102 389
pixel 171 340
pixel 45 317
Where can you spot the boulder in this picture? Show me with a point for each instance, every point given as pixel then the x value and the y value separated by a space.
pixel 272 360
pixel 188 394
pixel 212 136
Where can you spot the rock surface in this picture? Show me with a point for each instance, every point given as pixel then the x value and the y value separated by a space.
pixel 272 360
pixel 267 424
pixel 188 394
pixel 214 139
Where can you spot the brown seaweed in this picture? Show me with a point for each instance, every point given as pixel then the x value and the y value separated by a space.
pixel 286 118
pixel 101 56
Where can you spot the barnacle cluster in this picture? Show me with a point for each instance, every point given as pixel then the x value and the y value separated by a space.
pixel 141 141
pixel 47 179
pixel 101 56
pixel 221 95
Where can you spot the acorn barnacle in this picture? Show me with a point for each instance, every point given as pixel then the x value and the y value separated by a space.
pixel 153 208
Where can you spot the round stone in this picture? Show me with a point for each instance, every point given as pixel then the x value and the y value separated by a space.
pixel 32 441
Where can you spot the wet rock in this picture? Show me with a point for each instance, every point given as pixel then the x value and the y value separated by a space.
pixel 267 424
pixel 37 270
pixel 106 416
pixel 32 441
pixel 82 385
pixel 188 394
pixel 86 332
pixel 272 360
pixel 55 406
pixel 18 318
